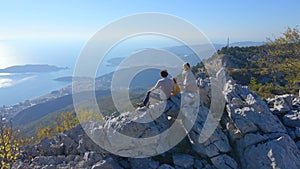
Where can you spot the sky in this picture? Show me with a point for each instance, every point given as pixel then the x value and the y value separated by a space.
pixel 79 20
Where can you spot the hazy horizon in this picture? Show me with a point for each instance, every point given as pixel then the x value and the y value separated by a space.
pixel 55 32
pixel 46 52
pixel 33 25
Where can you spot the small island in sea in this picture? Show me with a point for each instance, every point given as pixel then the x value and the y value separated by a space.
pixel 115 61
pixel 64 79
pixel 32 68
pixel 71 78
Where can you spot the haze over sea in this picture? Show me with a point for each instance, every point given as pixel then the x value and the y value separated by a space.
pixel 16 88
pixel 54 32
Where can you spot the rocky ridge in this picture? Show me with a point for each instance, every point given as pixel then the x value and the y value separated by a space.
pixel 252 133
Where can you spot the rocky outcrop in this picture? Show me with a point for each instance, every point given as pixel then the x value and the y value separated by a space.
pixel 252 133
pixel 259 138
pixel 287 109
pixel 216 148
pixel 75 149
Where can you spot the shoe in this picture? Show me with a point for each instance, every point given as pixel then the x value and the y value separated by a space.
pixel 140 104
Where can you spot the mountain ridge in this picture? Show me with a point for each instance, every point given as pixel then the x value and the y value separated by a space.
pixel 32 68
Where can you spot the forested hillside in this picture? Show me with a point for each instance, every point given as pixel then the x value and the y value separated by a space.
pixel 270 69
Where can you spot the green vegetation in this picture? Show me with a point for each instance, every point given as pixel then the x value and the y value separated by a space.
pixel 66 121
pixel 270 69
pixel 10 139
pixel 9 144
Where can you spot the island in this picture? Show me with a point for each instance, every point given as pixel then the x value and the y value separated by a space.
pixel 113 62
pixel 32 68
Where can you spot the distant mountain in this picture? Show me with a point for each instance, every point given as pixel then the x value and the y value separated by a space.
pixel 246 44
pixel 144 79
pixel 115 61
pixel 218 46
pixel 186 54
pixel 70 78
pixel 31 68
pixel 186 49
pixel 64 79
pixel 205 50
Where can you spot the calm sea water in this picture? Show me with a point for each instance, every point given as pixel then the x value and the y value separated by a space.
pixel 16 88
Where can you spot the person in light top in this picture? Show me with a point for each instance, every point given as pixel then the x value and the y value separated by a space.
pixel 165 84
pixel 189 81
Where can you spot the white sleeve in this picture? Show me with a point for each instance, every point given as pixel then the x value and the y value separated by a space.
pixel 158 84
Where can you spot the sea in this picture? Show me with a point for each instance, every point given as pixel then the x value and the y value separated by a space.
pixel 15 88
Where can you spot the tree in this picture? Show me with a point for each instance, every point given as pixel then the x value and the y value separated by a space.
pixel 285 45
pixel 65 121
pixel 87 115
pixel 46 132
pixel 290 36
pixel 9 143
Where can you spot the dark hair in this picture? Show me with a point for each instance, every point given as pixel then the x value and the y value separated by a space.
pixel 174 80
pixel 187 63
pixel 164 73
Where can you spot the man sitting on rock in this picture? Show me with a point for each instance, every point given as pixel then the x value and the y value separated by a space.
pixel 165 85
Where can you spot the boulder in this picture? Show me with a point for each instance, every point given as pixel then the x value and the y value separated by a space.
pixel 205 91
pixel 92 157
pixel 214 144
pixel 253 139
pixel 292 119
pixel 298 144
pixel 68 144
pixel 51 166
pixel 82 164
pixel 44 147
pixel 19 164
pixel 224 161
pixel 107 163
pixel 296 103
pixel 145 163
pixel 297 132
pixel 276 153
pixel 45 160
pixel 183 160
pixel 198 164
pixel 165 166
pixel 283 103
pixel 249 110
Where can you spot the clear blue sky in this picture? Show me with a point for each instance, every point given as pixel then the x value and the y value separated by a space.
pixel 240 20
pixel 73 20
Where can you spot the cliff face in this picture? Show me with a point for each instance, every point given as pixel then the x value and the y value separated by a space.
pixel 252 133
